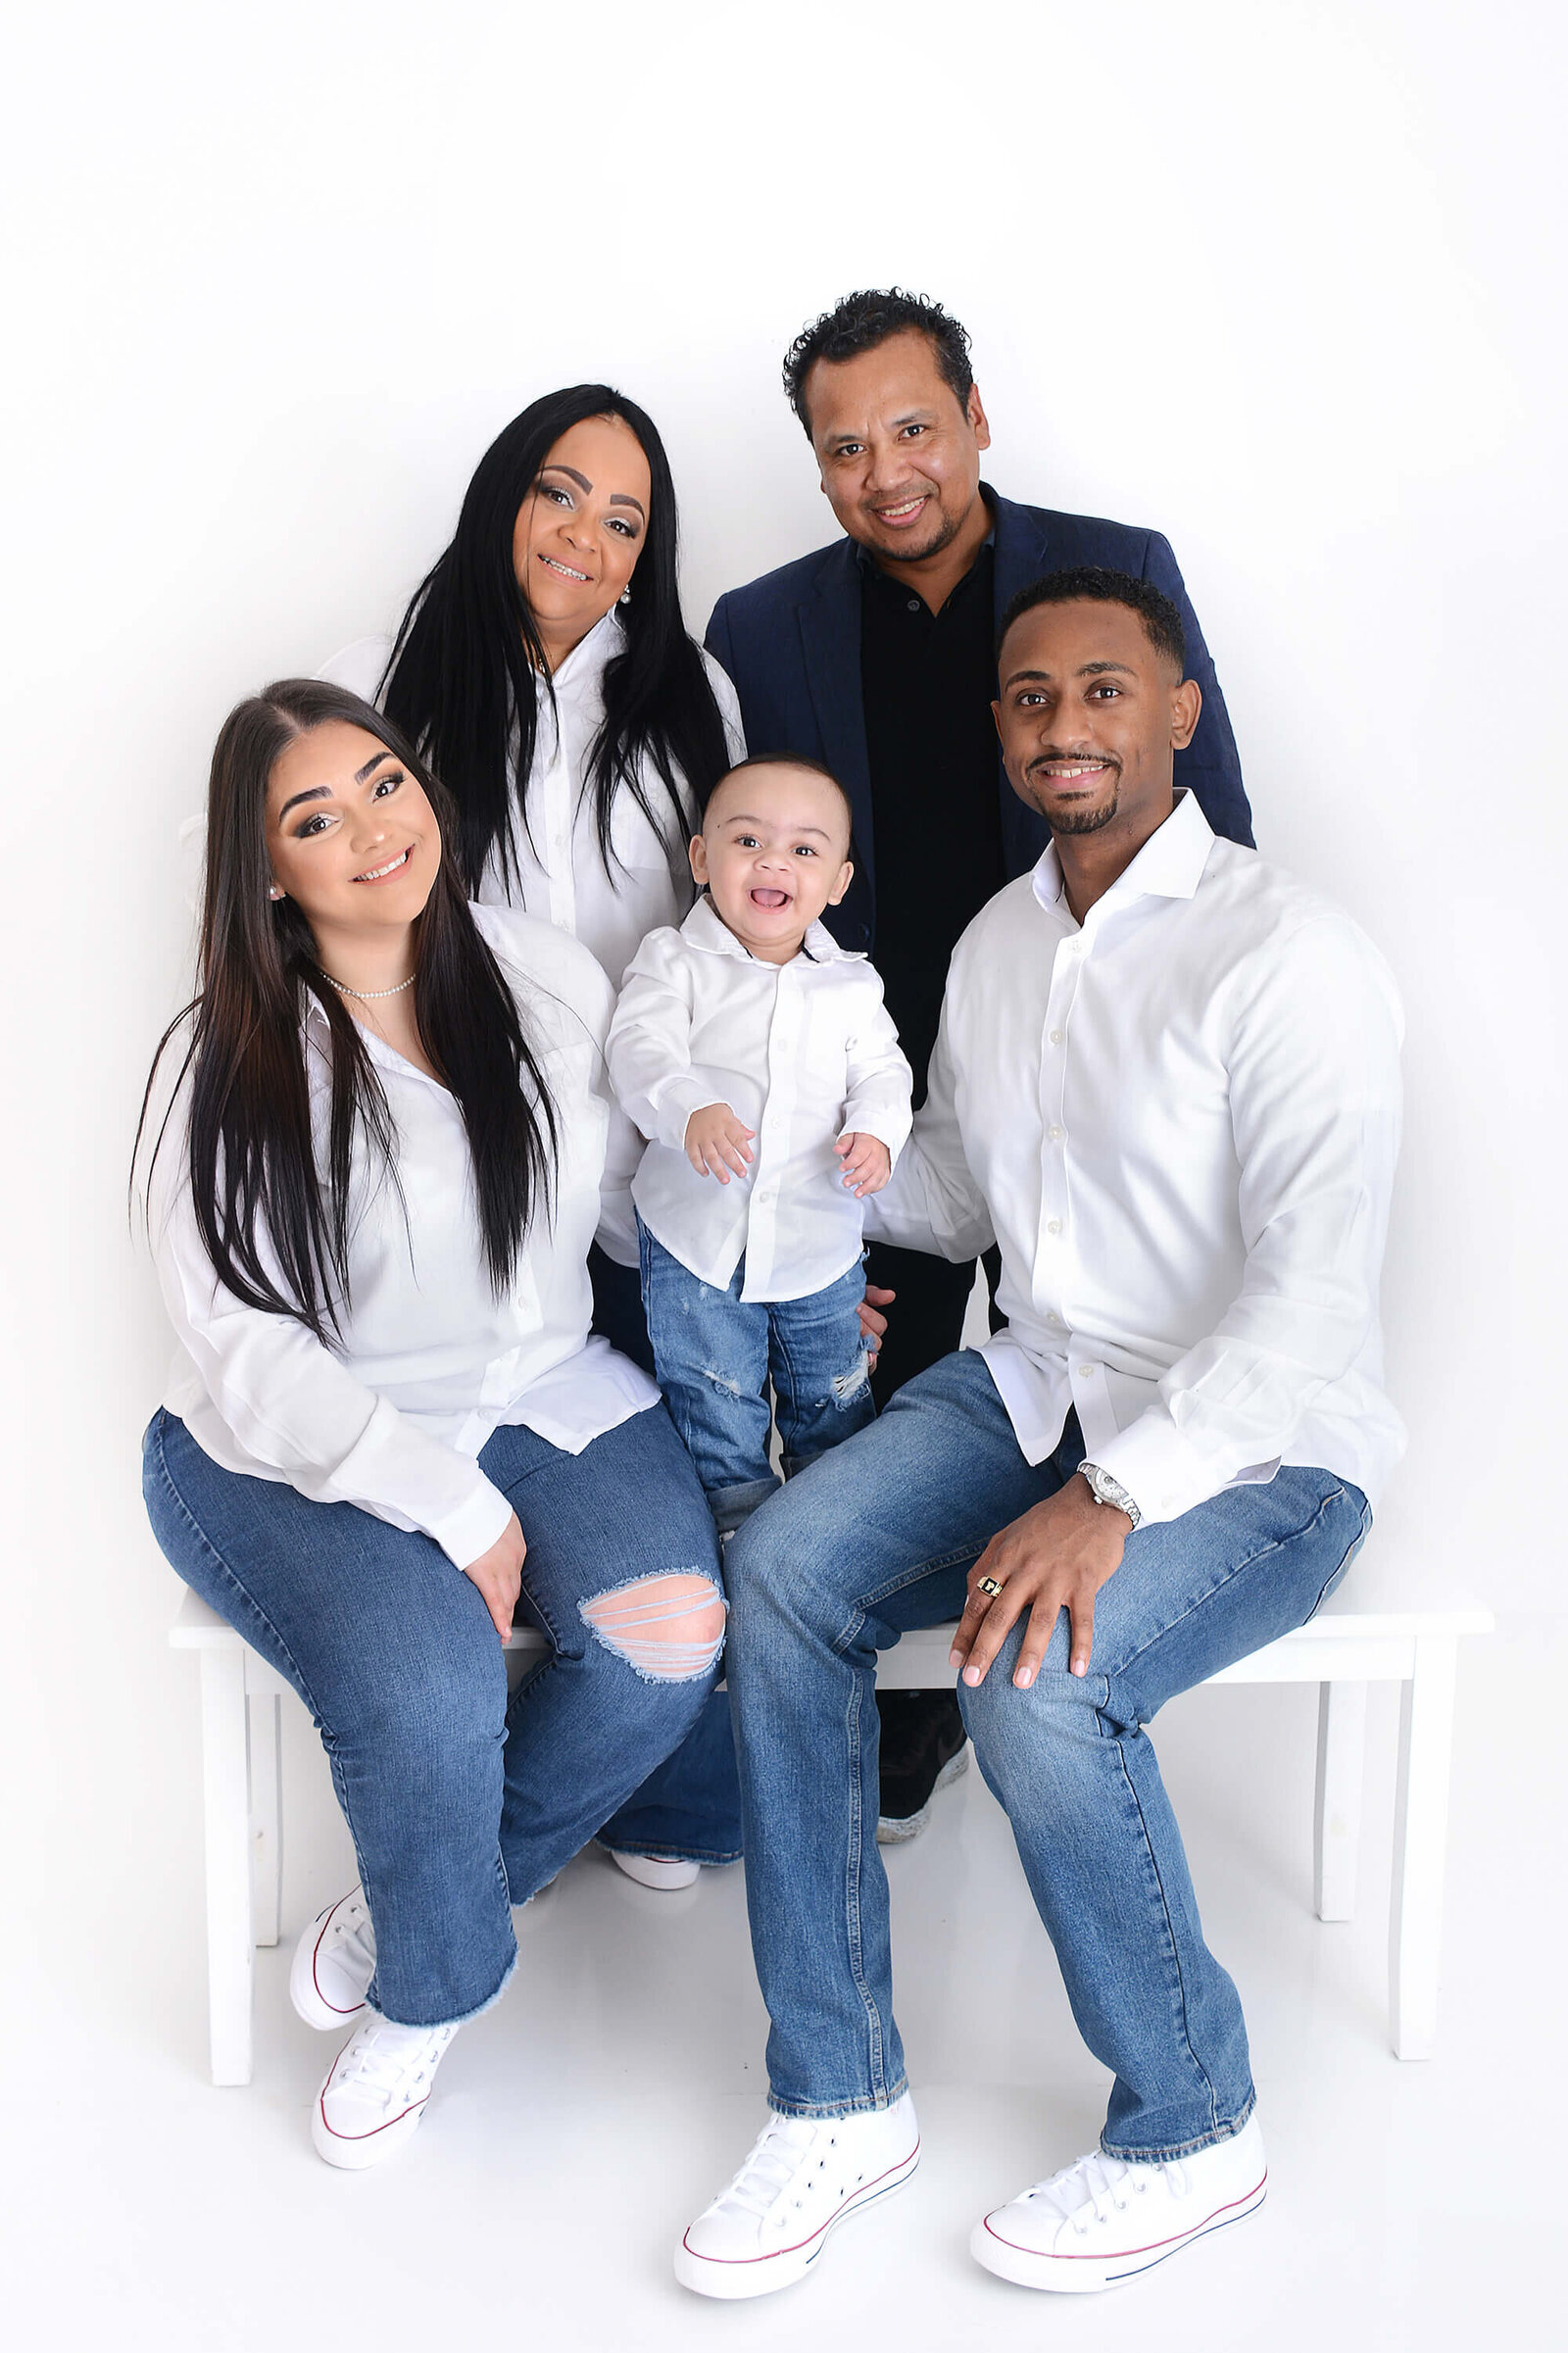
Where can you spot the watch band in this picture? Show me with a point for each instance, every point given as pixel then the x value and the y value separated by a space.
pixel 1106 1489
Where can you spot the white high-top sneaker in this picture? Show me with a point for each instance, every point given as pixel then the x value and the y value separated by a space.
pixel 333 1962
pixel 1101 2221
pixel 804 2175
pixel 370 2105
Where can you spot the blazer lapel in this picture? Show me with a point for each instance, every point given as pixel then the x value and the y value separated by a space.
pixel 1022 553
pixel 830 642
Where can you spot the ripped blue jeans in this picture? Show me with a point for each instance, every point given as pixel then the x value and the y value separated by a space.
pixel 459 1801
pixel 715 1355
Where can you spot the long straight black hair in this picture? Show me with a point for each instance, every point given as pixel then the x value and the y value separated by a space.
pixel 460 682
pixel 277 1237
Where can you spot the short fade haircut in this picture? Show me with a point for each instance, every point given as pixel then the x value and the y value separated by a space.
pixel 1097 584
pixel 785 760
pixel 859 323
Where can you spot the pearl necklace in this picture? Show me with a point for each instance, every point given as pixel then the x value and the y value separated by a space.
pixel 365 996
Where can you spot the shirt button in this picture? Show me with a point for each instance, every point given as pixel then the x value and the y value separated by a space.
pixel 1056 1323
pixel 1055 1037
pixel 915 603
pixel 1055 1133
pixel 1055 1226
pixel 1084 1372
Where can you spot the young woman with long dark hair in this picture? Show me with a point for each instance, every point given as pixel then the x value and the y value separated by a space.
pixel 544 670
pixel 377 1148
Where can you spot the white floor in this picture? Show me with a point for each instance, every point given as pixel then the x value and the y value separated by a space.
pixel 578 2125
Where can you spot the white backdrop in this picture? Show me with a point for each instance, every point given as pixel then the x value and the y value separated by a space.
pixel 1277 279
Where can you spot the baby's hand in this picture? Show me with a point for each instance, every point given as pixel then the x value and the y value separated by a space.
pixel 715 1142
pixel 867 1163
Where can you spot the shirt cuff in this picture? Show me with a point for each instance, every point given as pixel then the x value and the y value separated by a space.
pixel 888 1127
pixel 1162 1471
pixel 467 1532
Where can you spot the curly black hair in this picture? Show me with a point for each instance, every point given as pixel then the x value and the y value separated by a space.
pixel 1097 584
pixel 859 323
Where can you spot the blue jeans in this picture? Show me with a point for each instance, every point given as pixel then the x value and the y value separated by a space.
pixel 715 1355
pixel 459 1802
pixel 877 1537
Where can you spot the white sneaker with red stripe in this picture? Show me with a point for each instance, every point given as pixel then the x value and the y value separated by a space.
pixel 1101 2221
pixel 370 2105
pixel 804 2175
pixel 333 1963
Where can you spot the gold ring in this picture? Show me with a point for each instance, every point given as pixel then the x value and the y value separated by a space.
pixel 989 1585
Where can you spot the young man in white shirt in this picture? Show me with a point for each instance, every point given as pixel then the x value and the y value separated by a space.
pixel 1167 1084
pixel 750 1027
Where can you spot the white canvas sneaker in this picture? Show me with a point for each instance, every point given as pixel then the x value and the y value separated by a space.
pixel 1101 2221
pixel 655 1870
pixel 804 2175
pixel 333 1963
pixel 370 2105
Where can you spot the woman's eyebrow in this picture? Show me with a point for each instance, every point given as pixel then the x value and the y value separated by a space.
pixel 555 466
pixel 324 792
pixel 623 498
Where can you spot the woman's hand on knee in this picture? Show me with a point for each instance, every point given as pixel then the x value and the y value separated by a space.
pixel 498 1574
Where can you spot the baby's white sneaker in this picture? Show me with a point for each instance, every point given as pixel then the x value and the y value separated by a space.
pixel 333 1962
pixel 804 2175
pixel 1101 2221
pixel 370 2105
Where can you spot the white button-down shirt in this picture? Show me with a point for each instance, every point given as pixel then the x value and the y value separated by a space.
pixel 1180 1122
pixel 558 870
pixel 428 1361
pixel 802 1053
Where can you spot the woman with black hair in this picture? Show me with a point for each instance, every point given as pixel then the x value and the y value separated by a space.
pixel 544 670
pixel 379 1145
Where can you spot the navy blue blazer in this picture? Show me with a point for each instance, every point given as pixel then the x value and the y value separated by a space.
pixel 791 644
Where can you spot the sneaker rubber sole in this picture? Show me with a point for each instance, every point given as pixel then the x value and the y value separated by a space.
pixel 892 1829
pixel 760 2274
pixel 1086 2275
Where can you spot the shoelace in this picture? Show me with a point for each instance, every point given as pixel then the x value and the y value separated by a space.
pixel 771 2167
pixel 393 2071
pixel 1099 2182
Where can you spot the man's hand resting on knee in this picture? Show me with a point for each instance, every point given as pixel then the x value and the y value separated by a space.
pixel 1056 1557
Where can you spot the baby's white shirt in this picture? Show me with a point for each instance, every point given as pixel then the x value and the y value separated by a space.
pixel 802 1053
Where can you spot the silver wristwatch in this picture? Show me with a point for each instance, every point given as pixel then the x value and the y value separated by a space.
pixel 1106 1489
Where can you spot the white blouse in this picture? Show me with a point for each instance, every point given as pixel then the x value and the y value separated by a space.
pixel 428 1361
pixel 558 872
pixel 1180 1120
pixel 804 1053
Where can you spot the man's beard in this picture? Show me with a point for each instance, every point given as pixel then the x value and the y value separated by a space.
pixel 946 534
pixel 1086 820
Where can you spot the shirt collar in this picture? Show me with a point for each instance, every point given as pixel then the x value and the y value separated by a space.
pixel 703 928
pixel 1169 865
pixel 588 660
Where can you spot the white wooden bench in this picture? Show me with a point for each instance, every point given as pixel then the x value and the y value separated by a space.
pixel 1342 1651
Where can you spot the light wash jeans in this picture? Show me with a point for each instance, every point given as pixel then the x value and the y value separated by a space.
pixel 877 1537
pixel 715 1355
pixel 459 1804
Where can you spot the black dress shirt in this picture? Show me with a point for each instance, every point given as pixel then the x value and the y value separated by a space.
pixel 927 680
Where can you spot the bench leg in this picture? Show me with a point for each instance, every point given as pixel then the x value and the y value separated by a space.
pixel 267 1816
pixel 231 1962
pixel 1336 1812
pixel 1420 1838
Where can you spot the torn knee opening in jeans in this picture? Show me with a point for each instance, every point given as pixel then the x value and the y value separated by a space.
pixel 668 1627
pixel 846 1386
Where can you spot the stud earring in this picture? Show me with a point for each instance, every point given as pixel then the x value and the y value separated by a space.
pixel 624 597
pixel 273 891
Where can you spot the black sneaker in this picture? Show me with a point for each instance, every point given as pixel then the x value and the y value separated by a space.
pixel 925 1746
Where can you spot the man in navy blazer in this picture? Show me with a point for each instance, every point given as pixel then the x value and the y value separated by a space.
pixel 876 657
pixel 791 642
